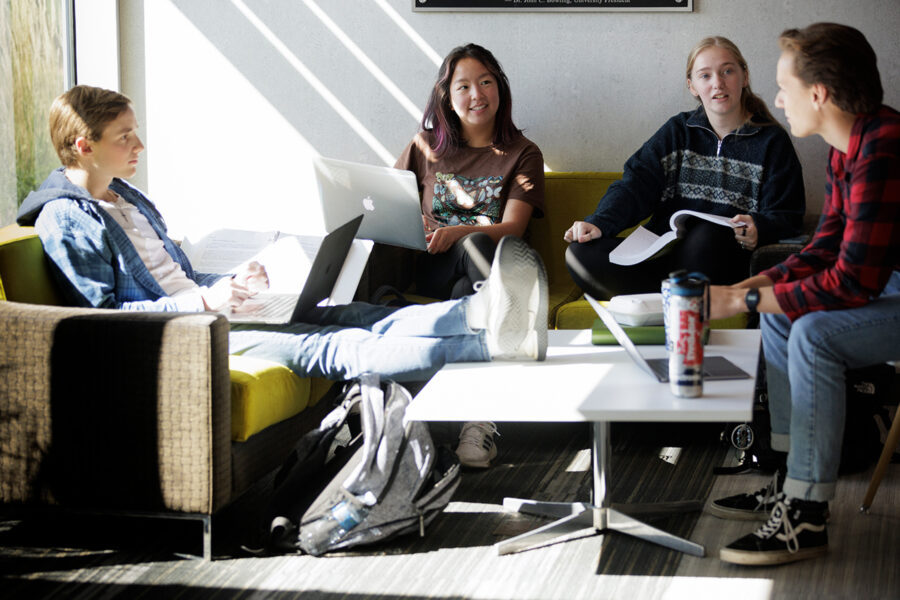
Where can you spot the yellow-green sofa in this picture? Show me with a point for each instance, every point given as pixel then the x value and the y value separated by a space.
pixel 106 409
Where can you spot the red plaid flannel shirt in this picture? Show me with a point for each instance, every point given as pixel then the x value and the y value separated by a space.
pixel 856 246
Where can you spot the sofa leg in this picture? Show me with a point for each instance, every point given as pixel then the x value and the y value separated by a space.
pixel 39 513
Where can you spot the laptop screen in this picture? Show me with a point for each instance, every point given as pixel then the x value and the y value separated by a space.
pixel 389 198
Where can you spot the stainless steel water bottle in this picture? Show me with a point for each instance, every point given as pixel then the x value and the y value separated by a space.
pixel 685 316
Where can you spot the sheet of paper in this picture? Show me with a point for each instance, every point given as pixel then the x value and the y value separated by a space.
pixel 287 259
pixel 681 215
pixel 640 245
pixel 225 250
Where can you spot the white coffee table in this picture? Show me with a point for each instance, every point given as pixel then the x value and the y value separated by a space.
pixel 597 384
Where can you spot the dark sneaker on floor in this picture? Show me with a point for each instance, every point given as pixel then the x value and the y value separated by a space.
pixel 749 507
pixel 795 531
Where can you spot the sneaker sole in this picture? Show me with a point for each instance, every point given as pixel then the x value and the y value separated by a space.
pixel 475 465
pixel 736 514
pixel 779 557
pixel 543 292
pixel 519 264
pixel 478 464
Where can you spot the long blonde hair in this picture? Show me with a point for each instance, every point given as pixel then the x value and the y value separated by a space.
pixel 750 102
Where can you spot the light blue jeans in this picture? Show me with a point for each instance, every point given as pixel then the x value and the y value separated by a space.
pixel 343 342
pixel 805 365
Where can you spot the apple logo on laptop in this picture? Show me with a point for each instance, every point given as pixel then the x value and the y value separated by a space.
pixel 368 203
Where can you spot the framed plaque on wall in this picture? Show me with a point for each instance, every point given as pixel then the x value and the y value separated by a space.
pixel 551 5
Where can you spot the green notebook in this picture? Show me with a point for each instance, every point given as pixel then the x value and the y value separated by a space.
pixel 648 335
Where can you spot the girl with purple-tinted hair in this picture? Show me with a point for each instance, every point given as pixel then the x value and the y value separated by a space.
pixel 479 178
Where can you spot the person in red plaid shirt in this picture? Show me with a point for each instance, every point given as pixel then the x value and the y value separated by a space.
pixel 831 307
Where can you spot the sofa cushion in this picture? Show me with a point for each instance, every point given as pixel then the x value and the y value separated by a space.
pixel 263 393
pixel 569 197
pixel 24 274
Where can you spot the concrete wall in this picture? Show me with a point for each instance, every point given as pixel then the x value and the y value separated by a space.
pixel 235 96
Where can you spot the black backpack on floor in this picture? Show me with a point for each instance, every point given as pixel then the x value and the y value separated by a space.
pixel 869 391
pixel 396 483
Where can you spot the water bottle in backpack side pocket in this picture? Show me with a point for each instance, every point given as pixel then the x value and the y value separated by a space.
pixel 316 538
pixel 685 318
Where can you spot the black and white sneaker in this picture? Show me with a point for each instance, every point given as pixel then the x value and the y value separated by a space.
pixel 749 507
pixel 795 531
pixel 476 445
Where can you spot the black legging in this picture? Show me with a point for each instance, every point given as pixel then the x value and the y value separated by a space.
pixel 453 273
pixel 706 247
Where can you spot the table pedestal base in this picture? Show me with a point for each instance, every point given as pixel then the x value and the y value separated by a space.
pixel 580 519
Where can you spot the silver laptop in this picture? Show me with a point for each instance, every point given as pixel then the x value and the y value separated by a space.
pixel 388 197
pixel 280 308
pixel 714 367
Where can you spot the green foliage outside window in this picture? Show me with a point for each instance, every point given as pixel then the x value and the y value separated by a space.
pixel 32 57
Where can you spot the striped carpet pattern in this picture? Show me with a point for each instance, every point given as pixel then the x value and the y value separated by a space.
pixel 87 558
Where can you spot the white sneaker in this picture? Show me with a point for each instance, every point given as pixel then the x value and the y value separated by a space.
pixel 511 306
pixel 476 444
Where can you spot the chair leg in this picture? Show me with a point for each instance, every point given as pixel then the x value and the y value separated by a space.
pixel 890 445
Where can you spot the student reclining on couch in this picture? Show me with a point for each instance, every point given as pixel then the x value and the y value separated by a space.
pixel 109 249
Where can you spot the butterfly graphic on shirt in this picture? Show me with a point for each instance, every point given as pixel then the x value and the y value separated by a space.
pixel 459 200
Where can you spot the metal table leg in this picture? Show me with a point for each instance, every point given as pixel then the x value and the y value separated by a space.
pixel 578 519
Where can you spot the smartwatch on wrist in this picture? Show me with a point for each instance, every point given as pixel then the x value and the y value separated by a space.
pixel 752 299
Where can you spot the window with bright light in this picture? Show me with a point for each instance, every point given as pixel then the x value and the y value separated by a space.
pixel 34 57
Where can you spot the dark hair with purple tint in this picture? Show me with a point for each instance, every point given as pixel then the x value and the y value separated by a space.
pixel 439 116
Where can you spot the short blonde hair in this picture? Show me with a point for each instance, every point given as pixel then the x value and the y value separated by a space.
pixel 83 111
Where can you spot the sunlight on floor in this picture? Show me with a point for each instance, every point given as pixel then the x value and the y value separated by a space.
pixel 581 462
pixel 715 588
pixel 473 507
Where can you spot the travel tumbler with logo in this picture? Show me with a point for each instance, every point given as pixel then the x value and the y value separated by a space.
pixel 685 317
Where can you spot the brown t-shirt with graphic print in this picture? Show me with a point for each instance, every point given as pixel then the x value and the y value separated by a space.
pixel 470 186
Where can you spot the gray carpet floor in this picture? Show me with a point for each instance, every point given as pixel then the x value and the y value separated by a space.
pixel 85 557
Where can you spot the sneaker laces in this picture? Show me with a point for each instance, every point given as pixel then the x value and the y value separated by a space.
pixel 475 433
pixel 771 493
pixel 778 520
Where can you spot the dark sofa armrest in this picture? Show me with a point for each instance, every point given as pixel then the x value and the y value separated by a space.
pixel 770 255
pixel 114 409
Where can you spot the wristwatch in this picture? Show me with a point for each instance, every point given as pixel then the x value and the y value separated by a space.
pixel 752 299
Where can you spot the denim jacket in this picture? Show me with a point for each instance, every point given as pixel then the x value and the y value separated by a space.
pixel 91 256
